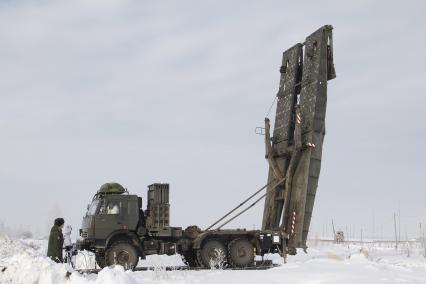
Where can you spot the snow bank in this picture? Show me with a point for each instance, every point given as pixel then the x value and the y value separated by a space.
pixel 115 275
pixel 26 263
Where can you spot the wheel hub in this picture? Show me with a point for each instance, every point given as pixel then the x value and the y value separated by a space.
pixel 215 254
pixel 241 252
pixel 123 257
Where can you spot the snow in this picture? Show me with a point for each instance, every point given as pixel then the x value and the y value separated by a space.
pixel 67 235
pixel 325 263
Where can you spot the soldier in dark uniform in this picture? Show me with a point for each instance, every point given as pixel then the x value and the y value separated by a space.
pixel 56 241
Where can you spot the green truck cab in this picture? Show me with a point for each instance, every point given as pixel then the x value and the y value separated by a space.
pixel 114 228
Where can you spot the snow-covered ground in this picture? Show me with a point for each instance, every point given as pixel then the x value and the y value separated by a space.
pixel 325 263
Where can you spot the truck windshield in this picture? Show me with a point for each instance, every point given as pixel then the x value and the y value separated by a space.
pixel 92 208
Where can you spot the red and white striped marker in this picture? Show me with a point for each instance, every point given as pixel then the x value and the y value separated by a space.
pixel 293 224
pixel 311 145
pixel 298 118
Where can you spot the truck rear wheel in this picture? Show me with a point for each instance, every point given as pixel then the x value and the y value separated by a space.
pixel 241 253
pixel 212 254
pixel 122 253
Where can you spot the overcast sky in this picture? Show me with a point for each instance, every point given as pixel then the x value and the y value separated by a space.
pixel 136 92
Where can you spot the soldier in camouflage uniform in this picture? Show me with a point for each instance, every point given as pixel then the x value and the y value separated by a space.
pixel 56 241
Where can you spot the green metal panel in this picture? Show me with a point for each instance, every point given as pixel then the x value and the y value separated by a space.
pixel 283 132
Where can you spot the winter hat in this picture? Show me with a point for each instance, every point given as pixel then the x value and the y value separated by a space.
pixel 59 222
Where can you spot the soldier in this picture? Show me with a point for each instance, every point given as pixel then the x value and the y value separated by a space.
pixel 56 241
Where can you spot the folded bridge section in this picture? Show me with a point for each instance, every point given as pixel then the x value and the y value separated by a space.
pixel 294 151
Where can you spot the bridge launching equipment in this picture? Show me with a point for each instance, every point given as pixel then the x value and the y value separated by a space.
pixel 294 151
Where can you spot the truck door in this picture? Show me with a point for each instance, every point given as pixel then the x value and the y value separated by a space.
pixel 110 217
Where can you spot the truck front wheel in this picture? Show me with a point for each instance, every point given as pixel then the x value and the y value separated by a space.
pixel 122 253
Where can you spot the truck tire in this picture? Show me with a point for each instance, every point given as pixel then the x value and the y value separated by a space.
pixel 212 254
pixel 122 253
pixel 241 253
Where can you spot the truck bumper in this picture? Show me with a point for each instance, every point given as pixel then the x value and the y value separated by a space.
pixel 85 244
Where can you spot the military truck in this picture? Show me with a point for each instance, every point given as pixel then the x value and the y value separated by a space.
pixel 119 231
